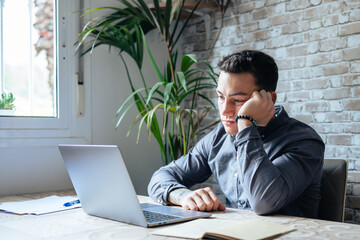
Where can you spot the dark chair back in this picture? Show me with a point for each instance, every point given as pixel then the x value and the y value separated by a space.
pixel 333 190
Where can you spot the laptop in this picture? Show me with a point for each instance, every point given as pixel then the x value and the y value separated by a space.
pixel 104 188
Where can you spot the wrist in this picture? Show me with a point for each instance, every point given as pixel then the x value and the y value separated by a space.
pixel 247 118
pixel 177 195
pixel 243 123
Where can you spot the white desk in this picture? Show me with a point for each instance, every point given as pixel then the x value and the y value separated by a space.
pixel 75 224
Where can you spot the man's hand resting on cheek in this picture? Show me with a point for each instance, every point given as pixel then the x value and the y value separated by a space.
pixel 260 107
pixel 203 199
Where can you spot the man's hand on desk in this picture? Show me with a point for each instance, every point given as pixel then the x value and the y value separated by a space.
pixel 203 199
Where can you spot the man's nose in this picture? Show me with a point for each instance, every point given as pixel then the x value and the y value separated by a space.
pixel 227 109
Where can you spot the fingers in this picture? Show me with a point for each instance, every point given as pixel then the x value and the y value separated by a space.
pixel 203 200
pixel 259 107
pixel 263 95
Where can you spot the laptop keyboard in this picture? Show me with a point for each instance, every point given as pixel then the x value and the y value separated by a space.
pixel 152 217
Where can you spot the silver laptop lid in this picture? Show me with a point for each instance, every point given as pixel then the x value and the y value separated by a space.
pixel 102 182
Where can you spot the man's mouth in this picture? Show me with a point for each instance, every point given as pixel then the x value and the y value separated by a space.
pixel 228 121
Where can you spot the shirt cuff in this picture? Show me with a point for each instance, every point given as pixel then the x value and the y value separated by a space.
pixel 245 135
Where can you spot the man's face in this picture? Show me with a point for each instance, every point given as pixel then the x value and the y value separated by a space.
pixel 233 90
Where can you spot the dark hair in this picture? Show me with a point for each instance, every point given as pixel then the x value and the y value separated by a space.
pixel 261 65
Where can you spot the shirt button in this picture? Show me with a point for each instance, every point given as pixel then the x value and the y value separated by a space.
pixel 263 136
pixel 235 175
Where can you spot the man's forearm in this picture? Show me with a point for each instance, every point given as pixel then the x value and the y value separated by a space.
pixel 177 195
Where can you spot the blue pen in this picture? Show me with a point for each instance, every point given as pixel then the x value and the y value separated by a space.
pixel 68 204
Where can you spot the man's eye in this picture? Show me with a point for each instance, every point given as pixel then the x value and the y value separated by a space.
pixel 220 97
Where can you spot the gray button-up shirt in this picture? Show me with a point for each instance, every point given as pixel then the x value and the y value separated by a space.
pixel 272 169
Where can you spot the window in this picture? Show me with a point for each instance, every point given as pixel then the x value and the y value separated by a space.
pixel 45 112
pixel 28 57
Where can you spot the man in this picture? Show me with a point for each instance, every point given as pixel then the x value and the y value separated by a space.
pixel 262 159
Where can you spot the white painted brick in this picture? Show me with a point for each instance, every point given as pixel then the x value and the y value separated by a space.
pixel 356 141
pixel 356 168
pixel 343 18
pixel 259 4
pixel 355 116
pixel 300 74
pixel 259 45
pixel 356 189
pixel 280 53
pixel 304 117
pixel 336 106
pixel 314 12
pixel 336 81
pixel 355 15
pixel 297 96
pixel 317 71
pixel 315 2
pixel 332 44
pixel 351 166
pixel 279 42
pixel 336 6
pixel 299 62
pixel 354 176
pixel 353 41
pixel 336 56
pixel 284 63
pixel 297 39
pixel 275 32
pixel 282 75
pixel 315 24
pixel 355 151
pixel 351 80
pixel 281 97
pixel 296 107
pixel 321 33
pixel 328 127
pixel 264 23
pixel 298 85
pixel 317 94
pixel 337 93
pixel 320 117
pixel 249 27
pixel 245 17
pixel 218 44
pixel 335 151
pixel 317 59
pixel 279 8
pixel 355 66
pixel 330 20
pixel 297 4
pixel 248 37
pixel 317 106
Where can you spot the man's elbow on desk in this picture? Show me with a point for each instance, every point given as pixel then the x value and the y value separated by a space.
pixel 264 207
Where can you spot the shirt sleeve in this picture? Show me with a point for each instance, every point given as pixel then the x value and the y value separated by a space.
pixel 271 185
pixel 184 172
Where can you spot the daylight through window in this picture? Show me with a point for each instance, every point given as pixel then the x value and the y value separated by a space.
pixel 28 58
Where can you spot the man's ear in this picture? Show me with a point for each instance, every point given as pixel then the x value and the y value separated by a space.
pixel 274 96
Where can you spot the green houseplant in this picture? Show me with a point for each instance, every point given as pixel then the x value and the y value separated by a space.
pixel 7 101
pixel 125 29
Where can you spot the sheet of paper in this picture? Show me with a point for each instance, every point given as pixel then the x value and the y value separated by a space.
pixel 249 229
pixel 39 206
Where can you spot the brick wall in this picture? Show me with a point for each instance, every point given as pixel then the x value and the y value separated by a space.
pixel 316 44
